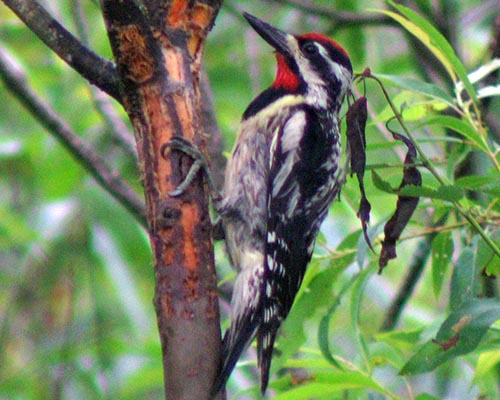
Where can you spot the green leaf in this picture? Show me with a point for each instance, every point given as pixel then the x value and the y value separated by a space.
pixel 310 389
pixel 363 250
pixel 382 354
pixel 461 126
pixel 326 383
pixel 353 378
pixel 459 152
pixel 474 182
pixel 467 324
pixel 487 260
pixel 412 108
pixel 442 250
pixel 355 311
pixel 381 184
pixel 427 89
pixel 447 193
pixel 416 111
pixel 427 34
pixel 411 337
pixel 426 396
pixel 324 325
pixel 485 363
pixel 435 42
pixel 464 281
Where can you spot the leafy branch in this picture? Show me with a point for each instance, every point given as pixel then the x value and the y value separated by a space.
pixel 465 212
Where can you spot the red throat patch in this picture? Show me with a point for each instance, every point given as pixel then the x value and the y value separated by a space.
pixel 285 77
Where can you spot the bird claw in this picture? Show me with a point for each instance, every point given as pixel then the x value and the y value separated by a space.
pixel 178 143
pixel 185 146
pixel 199 163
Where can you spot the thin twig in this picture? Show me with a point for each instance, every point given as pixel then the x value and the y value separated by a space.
pixel 95 69
pixel 116 126
pixel 15 80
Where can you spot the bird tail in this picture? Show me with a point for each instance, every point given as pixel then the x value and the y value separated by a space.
pixel 236 340
pixel 266 336
pixel 265 346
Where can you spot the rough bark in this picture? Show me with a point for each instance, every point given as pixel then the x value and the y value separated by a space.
pixel 158 49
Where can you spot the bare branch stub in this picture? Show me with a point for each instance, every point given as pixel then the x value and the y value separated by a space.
pixel 158 49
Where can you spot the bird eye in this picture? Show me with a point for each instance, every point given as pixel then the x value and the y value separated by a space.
pixel 310 48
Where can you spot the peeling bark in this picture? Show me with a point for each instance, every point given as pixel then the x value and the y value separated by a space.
pixel 158 50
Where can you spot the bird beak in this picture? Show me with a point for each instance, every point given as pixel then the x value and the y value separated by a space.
pixel 275 37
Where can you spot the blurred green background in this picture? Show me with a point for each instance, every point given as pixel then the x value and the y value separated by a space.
pixel 76 277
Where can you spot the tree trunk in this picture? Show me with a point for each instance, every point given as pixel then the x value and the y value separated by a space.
pixel 158 49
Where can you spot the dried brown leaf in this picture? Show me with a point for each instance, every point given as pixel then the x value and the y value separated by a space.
pixel 405 207
pixel 356 123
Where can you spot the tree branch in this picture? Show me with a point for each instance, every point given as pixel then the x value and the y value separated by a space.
pixel 15 81
pixel 95 69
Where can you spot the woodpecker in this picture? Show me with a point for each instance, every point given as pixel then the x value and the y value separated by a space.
pixel 283 175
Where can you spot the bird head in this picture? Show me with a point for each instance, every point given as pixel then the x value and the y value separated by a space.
pixel 311 64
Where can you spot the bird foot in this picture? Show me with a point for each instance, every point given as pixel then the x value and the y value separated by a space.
pixel 199 163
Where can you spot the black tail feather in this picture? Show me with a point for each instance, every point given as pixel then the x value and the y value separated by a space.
pixel 265 346
pixel 234 343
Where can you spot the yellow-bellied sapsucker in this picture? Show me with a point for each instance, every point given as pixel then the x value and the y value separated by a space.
pixel 282 176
